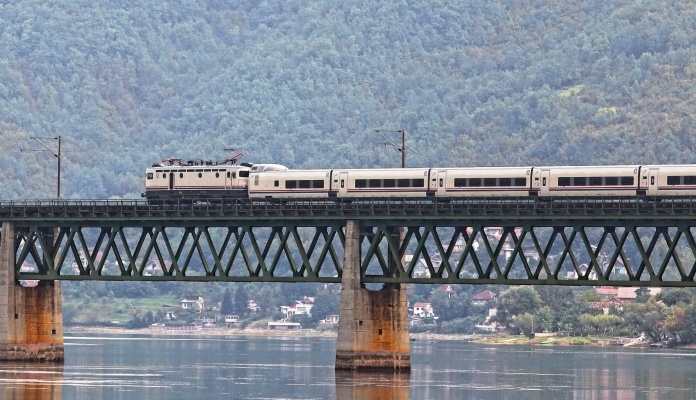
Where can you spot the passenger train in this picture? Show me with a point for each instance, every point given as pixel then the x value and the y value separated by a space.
pixel 273 182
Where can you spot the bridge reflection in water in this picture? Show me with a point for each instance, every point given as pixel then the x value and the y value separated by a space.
pixel 380 384
pixel 29 381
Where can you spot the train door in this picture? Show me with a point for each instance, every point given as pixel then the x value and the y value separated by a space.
pixel 652 181
pixel 544 189
pixel 343 184
pixel 171 181
pixel 441 183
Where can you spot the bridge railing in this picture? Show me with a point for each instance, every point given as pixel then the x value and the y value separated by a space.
pixel 581 207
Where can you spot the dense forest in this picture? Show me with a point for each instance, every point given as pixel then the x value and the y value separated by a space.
pixel 473 83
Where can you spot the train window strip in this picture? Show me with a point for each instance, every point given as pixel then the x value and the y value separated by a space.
pixel 303 184
pixel 565 181
pixel 678 180
pixel 388 183
pixel 490 182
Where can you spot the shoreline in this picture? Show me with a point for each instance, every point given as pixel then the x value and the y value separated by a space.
pixel 540 340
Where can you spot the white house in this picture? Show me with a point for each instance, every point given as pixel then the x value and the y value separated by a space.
pixel 193 303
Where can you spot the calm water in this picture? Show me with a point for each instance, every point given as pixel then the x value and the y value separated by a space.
pixel 130 367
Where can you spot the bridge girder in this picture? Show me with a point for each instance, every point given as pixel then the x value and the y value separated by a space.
pixel 497 249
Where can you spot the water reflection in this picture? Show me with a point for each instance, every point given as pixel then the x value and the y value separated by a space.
pixel 27 381
pixel 390 385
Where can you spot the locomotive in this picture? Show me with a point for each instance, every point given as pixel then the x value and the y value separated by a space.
pixel 175 179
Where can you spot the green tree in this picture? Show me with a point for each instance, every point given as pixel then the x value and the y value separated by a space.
pixel 648 318
pixel 672 297
pixel 516 301
pixel 325 304
pixel 241 302
pixel 227 305
pixel 544 319
pixel 525 323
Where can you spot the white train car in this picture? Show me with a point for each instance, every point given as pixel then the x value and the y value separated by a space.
pixel 196 180
pixel 290 184
pixel 481 182
pixel 668 180
pixel 383 183
pixel 570 181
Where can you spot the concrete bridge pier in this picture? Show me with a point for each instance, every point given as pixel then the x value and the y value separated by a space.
pixel 373 324
pixel 31 319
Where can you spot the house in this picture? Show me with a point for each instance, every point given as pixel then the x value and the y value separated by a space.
pixel 330 320
pixel 168 311
pixel 253 306
pixel 193 303
pixel 423 310
pixel 300 307
pixel 624 294
pixel 605 305
pixel 286 326
pixel 484 297
pixel 489 325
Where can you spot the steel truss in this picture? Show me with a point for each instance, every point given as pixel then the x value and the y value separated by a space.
pixel 501 250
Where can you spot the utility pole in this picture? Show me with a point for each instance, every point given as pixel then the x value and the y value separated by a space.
pixel 47 149
pixel 389 142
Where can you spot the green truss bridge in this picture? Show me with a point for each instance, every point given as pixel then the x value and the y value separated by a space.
pixel 593 241
pixel 573 242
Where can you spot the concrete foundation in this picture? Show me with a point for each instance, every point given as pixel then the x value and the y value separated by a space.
pixel 372 325
pixel 31 319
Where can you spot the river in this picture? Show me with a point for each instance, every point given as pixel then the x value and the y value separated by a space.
pixel 156 368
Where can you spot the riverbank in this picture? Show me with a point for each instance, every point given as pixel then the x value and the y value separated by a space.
pixel 540 339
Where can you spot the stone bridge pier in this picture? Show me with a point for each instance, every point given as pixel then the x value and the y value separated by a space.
pixel 31 320
pixel 373 324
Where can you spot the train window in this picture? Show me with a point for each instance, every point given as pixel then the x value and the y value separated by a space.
pixel 200 175
pixel 150 175
pixel 404 182
pixel 489 182
pixel 290 184
pixel 627 181
pixel 243 174
pixel 611 180
pixel 217 174
pixel 305 184
pixel 520 182
pixel 181 175
pixel 318 184
pixel 276 183
pixel 361 183
pixel 475 182
pixel 374 183
pixel 505 182
pixel 229 174
pixel 234 174
pixel 580 181
pixel 460 182
pixel 563 181
pixel 164 175
pixel 595 181
pixel 207 170
pixel 690 180
pixel 389 183
pixel 419 183
pixel 673 180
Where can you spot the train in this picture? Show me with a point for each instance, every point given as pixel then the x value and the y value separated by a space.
pixel 200 180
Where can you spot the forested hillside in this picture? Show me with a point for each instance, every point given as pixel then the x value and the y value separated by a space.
pixel 473 82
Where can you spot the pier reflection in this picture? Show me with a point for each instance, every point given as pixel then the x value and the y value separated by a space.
pixel 382 385
pixel 28 381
